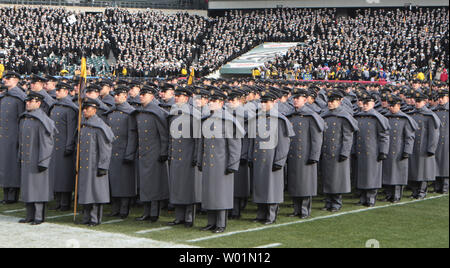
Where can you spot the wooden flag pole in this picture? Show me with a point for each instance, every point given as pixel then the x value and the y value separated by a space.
pixel 77 167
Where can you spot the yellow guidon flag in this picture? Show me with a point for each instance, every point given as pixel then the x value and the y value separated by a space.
pixel 191 76
pixel 83 73
pixel 2 69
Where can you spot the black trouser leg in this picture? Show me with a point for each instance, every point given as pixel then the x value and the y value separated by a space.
pixel 261 213
pixel 31 211
pixel 124 206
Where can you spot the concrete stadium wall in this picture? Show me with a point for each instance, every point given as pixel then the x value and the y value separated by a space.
pixel 79 9
pixel 252 4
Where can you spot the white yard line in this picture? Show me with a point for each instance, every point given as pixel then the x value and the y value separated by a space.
pixel 308 220
pixel 13 211
pixel 270 245
pixel 154 230
pixel 112 221
pixel 58 216
pixel 49 235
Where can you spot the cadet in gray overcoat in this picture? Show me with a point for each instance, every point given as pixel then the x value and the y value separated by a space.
pixel 442 151
pixel 304 153
pixel 242 177
pixel 62 167
pixel 153 145
pixel 121 171
pixel 336 150
pixel 371 148
pixel 184 185
pixel 11 107
pixel 269 133
pixel 422 163
pixel 36 141
pixel 96 140
pixel 402 134
pixel 219 158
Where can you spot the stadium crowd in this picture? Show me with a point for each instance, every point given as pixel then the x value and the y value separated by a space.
pixel 373 43
pixel 381 44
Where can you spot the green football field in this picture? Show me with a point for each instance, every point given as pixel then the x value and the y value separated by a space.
pixel 408 224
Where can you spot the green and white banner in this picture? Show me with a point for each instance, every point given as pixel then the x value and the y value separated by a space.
pixel 256 57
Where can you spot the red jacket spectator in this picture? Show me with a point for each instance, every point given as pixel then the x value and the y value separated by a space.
pixel 444 76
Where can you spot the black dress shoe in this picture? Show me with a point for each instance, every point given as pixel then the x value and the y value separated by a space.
pixel 55 208
pixel 25 221
pixel 175 222
pixel 360 204
pixel 258 220
pixel 113 214
pixel 188 224
pixel 325 209
pixel 154 218
pixel 123 216
pixel 36 222
pixel 143 218
pixel 208 228
pixel 234 217
pixel 293 215
pixel 218 230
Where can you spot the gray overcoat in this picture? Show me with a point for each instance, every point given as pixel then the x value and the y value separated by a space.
pixel 371 140
pixel 242 177
pixel 95 153
pixel 122 177
pixel 184 185
pixel 220 149
pixel 62 166
pixel 11 107
pixel 36 141
pixel 269 135
pixel 402 134
pixel 153 142
pixel 442 151
pixel 422 167
pixel 338 140
pixel 305 145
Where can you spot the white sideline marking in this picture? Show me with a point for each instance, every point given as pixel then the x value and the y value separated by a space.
pixel 308 220
pixel 15 210
pixel 59 216
pixel 112 221
pixel 154 230
pixel 50 235
pixel 270 245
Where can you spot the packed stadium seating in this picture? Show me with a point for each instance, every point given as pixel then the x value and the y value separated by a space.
pixel 150 43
